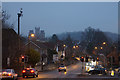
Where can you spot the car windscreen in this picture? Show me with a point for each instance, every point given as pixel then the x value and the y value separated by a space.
pixel 92 66
pixel 62 66
pixel 29 69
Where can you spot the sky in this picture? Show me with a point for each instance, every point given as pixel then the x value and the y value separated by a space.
pixel 59 17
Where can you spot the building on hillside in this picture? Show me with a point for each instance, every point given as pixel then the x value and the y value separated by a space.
pixel 42 35
pixel 39 34
pixel 31 32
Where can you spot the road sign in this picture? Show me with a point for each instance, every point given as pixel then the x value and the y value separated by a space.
pixel 23 58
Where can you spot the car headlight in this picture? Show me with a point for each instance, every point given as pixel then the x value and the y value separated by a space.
pixel 105 70
pixel 65 67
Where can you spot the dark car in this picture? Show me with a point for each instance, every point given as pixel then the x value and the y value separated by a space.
pixel 62 68
pixel 9 74
pixel 30 72
pixel 118 71
pixel 98 70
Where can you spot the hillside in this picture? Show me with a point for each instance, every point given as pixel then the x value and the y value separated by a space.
pixel 77 35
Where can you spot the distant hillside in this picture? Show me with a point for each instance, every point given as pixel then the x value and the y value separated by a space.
pixel 74 35
pixel 112 36
pixel 77 35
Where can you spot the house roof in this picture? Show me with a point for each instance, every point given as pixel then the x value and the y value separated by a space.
pixel 43 45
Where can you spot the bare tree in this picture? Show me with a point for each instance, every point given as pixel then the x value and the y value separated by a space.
pixel 5 18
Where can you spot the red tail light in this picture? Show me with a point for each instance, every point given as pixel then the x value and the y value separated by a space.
pixel 9 74
pixel 32 71
pixel 23 71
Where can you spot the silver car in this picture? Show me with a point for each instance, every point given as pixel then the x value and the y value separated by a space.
pixel 9 74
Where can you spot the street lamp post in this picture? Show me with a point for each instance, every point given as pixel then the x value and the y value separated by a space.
pixel 29 36
pixel 19 15
pixel 63 51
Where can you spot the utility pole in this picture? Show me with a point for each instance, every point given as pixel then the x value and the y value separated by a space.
pixel 19 15
pixel 111 62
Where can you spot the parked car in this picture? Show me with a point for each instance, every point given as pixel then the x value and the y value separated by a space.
pixel 98 70
pixel 117 69
pixel 89 67
pixel 9 74
pixel 29 72
pixel 62 68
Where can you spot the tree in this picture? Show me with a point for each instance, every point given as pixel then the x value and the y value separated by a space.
pixel 33 57
pixel 93 38
pixel 5 18
pixel 99 37
pixel 54 39
pixel 88 34
pixel 68 41
pixel 50 54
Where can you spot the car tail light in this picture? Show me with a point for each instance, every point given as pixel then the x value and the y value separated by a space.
pixel 32 71
pixel 23 71
pixel 9 74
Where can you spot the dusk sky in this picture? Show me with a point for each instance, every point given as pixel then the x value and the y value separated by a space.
pixel 59 17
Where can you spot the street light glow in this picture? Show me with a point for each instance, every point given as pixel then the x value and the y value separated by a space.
pixel 95 47
pixel 32 35
pixel 22 57
pixel 74 47
pixel 104 43
pixel 64 45
pixel 101 47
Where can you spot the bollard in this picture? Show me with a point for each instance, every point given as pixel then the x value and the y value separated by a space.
pixel 112 73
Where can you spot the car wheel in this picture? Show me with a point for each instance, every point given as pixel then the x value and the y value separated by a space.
pixel 90 72
pixel 59 70
pixel 118 74
pixel 37 75
pixel 16 79
pixel 33 76
pixel 13 78
pixel 23 76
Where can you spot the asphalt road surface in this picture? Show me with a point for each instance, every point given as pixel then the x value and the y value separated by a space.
pixel 73 73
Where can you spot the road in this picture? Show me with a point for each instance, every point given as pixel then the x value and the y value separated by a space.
pixel 73 71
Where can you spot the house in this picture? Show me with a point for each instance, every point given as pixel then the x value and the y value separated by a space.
pixel 39 47
pixel 113 58
pixel 10 50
